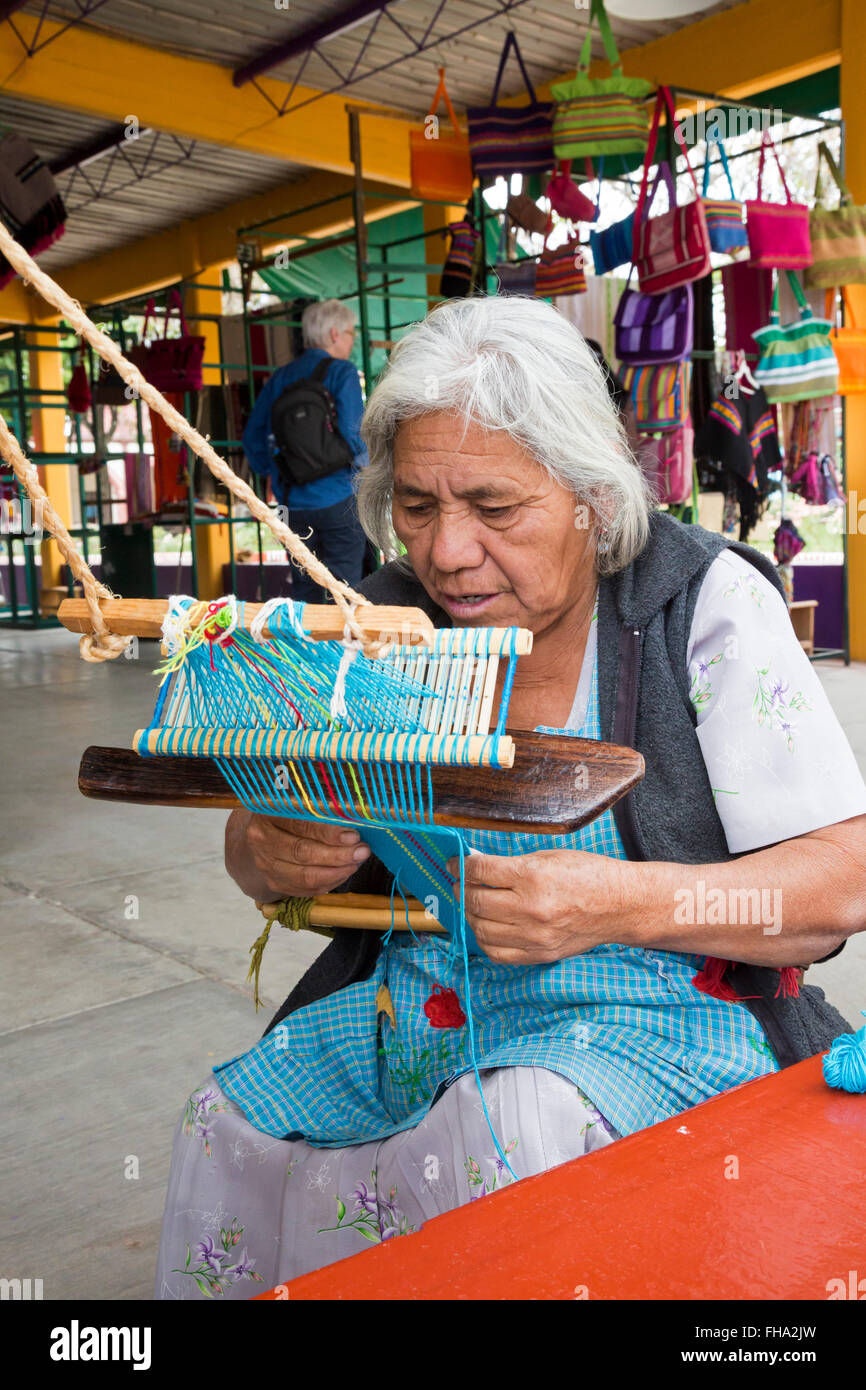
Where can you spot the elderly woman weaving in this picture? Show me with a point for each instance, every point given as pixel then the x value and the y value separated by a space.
pixel 625 972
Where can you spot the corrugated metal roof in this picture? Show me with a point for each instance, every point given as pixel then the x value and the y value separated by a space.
pixel 209 179
pixel 220 31
pixel 550 33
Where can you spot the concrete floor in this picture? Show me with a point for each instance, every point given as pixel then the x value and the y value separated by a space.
pixel 124 955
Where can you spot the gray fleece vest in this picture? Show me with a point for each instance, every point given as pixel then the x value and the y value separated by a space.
pixel 644 620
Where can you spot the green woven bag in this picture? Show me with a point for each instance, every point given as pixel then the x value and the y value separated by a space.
pixel 600 115
pixel 838 235
pixel 796 361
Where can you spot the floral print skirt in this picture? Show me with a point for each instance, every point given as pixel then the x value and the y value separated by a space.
pixel 245 1211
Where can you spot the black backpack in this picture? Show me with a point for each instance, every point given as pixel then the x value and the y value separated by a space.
pixel 304 426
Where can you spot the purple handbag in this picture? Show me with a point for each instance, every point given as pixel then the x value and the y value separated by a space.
pixel 652 328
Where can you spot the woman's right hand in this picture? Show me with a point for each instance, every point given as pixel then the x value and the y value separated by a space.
pixel 272 857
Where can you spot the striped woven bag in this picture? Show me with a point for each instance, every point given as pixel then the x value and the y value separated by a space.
pixel 724 215
pixel 560 269
pixel 511 139
pixel 600 115
pixel 796 359
pixel 838 235
pixel 659 395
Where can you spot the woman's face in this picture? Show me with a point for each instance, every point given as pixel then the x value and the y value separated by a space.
pixel 491 536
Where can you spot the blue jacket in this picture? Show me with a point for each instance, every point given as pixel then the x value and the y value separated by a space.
pixel 344 384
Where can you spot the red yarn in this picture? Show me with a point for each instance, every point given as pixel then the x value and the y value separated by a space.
pixel 711 980
pixel 443 1009
pixel 789 982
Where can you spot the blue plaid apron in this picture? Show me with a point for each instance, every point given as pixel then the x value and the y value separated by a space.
pixel 624 1024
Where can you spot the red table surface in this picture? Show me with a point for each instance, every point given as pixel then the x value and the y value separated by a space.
pixel 654 1216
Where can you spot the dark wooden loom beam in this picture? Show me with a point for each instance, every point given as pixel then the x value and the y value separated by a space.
pixel 557 784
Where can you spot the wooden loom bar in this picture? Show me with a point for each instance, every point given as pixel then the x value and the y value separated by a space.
pixel 142 617
pixel 557 784
pixel 477 750
pixel 365 912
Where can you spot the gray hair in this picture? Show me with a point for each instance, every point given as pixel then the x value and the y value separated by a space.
pixel 318 319
pixel 516 365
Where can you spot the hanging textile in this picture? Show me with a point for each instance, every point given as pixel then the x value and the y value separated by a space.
pixel 169 458
pixel 739 437
pixel 705 376
pixel 748 292
pixel 30 205
pixel 138 470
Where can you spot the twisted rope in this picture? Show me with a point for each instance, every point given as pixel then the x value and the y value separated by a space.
pixel 100 649
pixel 101 644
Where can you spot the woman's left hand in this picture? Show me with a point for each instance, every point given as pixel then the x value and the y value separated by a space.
pixel 532 909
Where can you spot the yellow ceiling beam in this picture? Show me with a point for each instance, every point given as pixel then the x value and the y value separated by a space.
pixel 88 71
pixel 201 243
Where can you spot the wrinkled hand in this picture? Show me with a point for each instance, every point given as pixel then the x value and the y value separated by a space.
pixel 532 909
pixel 273 857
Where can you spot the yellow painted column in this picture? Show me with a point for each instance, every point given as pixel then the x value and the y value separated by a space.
pixel 212 541
pixel 48 432
pixel 853 97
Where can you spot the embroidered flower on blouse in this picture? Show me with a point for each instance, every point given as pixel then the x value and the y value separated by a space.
pixel 772 707
pixel 745 586
pixel 701 690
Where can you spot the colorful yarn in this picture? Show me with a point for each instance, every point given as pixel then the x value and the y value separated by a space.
pixel 845 1064
pixel 219 677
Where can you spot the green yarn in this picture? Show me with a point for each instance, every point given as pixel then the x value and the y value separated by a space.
pixel 293 913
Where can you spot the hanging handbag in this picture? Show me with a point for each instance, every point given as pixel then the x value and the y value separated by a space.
pixel 506 140
pixel 560 269
pixel 600 115
pixel 566 198
pixel 659 395
pixel 724 215
pixel 652 328
pixel 514 277
pixel 787 541
pixel 849 345
pixel 668 461
pixel 78 396
pixel 778 232
pixel 611 247
pixel 674 248
pixel 838 235
pixel 170 364
pixel 526 213
pixel 456 280
pixel 796 359
pixel 108 386
pixel 440 167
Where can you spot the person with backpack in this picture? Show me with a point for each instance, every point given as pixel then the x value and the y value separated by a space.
pixel 305 434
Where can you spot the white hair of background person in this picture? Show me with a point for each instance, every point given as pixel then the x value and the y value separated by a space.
pixel 517 365
pixel 318 319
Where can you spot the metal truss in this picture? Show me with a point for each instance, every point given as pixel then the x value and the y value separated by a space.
pixel 85 9
pixel 90 189
pixel 348 79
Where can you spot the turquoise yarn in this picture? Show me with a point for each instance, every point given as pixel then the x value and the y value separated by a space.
pixel 845 1063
